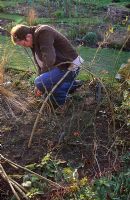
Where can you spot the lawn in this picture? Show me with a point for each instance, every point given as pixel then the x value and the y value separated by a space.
pixel 106 59
pixel 71 21
pixel 17 56
pixel 10 3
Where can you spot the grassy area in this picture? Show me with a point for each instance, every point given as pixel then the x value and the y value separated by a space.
pixel 17 56
pixel 101 3
pixel 13 17
pixel 106 60
pixel 10 3
pixel 18 19
pixel 70 21
pixel 4 4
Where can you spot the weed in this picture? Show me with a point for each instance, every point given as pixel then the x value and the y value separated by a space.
pixel 54 169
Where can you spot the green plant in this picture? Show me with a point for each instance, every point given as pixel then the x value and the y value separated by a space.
pixel 90 39
pixel 72 33
pixel 123 109
pixel 56 170
pixel 31 79
pixel 126 160
pixel 58 14
pixel 48 167
pixel 116 187
pixel 81 189
pixel 77 31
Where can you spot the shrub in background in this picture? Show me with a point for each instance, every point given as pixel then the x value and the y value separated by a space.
pixel 58 14
pixel 90 39
pixel 77 32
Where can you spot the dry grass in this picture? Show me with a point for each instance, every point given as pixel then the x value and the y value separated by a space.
pixel 6 95
pixel 32 16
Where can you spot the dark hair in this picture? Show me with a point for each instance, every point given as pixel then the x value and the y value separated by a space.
pixel 19 32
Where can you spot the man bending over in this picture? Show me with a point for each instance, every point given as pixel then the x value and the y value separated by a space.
pixel 54 56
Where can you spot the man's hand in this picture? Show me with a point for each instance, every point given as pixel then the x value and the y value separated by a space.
pixel 37 92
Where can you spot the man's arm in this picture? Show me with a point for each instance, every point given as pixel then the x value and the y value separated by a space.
pixel 46 41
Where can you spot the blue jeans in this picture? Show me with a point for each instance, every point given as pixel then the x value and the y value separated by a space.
pixel 46 81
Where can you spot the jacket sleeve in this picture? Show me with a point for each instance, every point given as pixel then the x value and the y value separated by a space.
pixel 46 41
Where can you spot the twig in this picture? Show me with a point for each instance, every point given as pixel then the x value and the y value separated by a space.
pixel 19 188
pixel 95 143
pixel 111 147
pixel 95 156
pixel 5 176
pixel 43 105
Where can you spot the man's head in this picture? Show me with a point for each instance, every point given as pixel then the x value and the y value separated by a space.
pixel 21 35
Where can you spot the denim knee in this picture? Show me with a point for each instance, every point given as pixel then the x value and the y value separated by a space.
pixel 40 84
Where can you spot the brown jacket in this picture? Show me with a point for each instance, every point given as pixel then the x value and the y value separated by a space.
pixel 52 48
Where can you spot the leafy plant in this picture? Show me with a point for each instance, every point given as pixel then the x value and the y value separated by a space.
pixel 55 170
pixel 116 187
pixel 90 39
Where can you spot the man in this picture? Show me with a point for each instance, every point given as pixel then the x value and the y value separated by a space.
pixel 54 56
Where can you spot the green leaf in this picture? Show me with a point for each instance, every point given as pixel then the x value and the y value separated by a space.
pixel 46 159
pixel 34 179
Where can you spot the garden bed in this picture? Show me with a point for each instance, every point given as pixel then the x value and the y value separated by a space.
pixel 81 135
